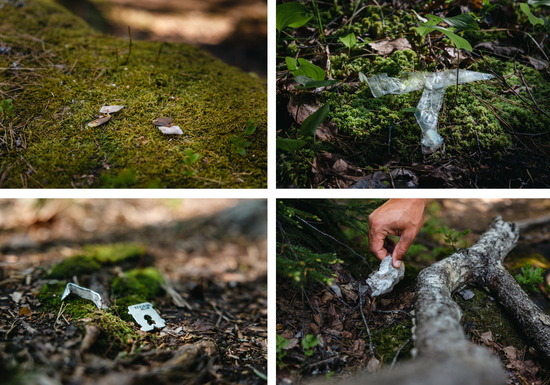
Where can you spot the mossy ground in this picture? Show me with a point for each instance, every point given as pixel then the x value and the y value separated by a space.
pixel 366 124
pixel 93 257
pixel 132 287
pixel 67 72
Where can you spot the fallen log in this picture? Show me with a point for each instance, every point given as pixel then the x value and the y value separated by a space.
pixel 442 352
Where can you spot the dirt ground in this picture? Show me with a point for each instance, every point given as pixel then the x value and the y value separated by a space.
pixel 334 313
pixel 211 252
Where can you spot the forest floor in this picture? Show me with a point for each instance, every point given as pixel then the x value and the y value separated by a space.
pixel 210 259
pixel 495 132
pixel 333 314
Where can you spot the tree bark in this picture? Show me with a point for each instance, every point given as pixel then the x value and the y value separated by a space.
pixel 443 354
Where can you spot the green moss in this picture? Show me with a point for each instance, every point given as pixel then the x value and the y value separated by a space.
pixel 76 307
pixel 481 314
pixel 388 341
pixel 136 286
pixel 76 71
pixel 77 265
pixel 115 331
pixel 515 261
pixel 95 256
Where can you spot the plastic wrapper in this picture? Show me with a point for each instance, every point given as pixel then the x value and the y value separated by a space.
pixel 427 110
pixel 387 276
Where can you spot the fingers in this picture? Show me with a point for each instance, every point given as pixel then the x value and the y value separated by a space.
pixel 401 248
pixel 376 243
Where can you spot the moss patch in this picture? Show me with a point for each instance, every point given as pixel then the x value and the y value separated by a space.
pixel 136 286
pixel 66 72
pixel 95 256
pixel 76 308
pixel 388 341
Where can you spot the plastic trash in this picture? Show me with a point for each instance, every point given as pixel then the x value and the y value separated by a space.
pixel 82 292
pixel 427 110
pixel 387 276
pixel 141 310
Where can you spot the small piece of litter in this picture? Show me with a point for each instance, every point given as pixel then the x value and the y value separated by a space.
pixel 82 292
pixel 110 109
pixel 167 121
pixel 383 280
pixel 16 296
pixel 141 310
pixel 171 130
pixel 100 121
pixel 466 294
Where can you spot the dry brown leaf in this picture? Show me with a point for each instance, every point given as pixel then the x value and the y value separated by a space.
pixel 100 121
pixel 373 365
pixel 25 310
pixel 511 352
pixel 167 121
pixel 386 47
pixel 487 338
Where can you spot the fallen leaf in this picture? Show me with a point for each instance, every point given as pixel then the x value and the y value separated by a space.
pixel 511 352
pixel 487 338
pixel 499 48
pixel 386 47
pixel 25 310
pixel 373 365
pixel 100 121
pixel 16 296
pixel 167 121
pixel 537 63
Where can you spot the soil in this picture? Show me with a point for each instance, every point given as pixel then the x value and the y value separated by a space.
pixel 212 253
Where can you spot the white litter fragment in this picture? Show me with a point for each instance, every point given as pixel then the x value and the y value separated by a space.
pixel 141 310
pixel 110 109
pixel 387 276
pixel 82 292
pixel 171 130
pixel 16 296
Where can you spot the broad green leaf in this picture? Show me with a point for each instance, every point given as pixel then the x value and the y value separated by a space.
pixel 349 40
pixel 434 17
pixel 459 42
pixel 362 77
pixel 316 83
pixel 424 29
pixel 290 145
pixel 241 151
pixel 302 79
pixel 534 20
pixel 409 109
pixel 250 127
pixel 244 144
pixel 291 63
pixel 536 3
pixel 305 68
pixel 309 126
pixel 292 15
pixel 464 22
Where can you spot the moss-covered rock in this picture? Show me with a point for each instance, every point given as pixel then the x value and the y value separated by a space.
pixel 65 72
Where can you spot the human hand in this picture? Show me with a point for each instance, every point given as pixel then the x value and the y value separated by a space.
pixel 401 217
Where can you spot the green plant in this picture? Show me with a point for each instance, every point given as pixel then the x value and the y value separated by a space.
pixel 238 143
pixel 190 158
pixel 309 342
pixel 532 18
pixel 529 277
pixel 6 108
pixel 281 343
pixel 450 238
pixel 292 15
pixel 349 41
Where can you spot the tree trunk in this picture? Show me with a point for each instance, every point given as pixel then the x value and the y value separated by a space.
pixel 443 354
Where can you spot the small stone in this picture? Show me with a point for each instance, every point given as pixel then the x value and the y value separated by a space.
pixel 167 121
pixel 100 121
pixel 110 109
pixel 171 130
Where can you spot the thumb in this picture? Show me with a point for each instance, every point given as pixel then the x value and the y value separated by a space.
pixel 401 249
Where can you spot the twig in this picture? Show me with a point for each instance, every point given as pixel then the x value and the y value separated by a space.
pixel 336 240
pixel 364 320
pixel 58 315
pixel 525 84
pixel 129 47
pixel 399 351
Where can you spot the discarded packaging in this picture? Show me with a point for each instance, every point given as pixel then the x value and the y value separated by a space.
pixel 387 276
pixel 427 110
pixel 141 310
pixel 110 109
pixel 82 292
pixel 171 130
pixel 100 121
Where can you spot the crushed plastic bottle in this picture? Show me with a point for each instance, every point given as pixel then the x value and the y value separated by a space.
pixel 427 110
pixel 387 276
